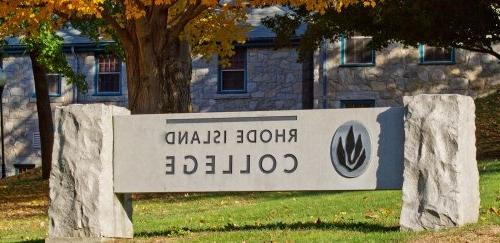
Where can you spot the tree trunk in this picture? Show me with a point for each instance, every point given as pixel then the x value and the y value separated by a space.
pixel 308 81
pixel 158 60
pixel 158 78
pixel 45 123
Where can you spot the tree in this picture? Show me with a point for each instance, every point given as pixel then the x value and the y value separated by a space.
pixel 158 37
pixel 46 54
pixel 471 25
pixel 45 51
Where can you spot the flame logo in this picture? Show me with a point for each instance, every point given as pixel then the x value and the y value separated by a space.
pixel 351 149
pixel 353 155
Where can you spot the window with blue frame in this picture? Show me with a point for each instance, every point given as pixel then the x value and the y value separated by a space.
pixel 108 80
pixel 54 81
pixel 357 103
pixel 356 51
pixel 436 55
pixel 23 168
pixel 232 79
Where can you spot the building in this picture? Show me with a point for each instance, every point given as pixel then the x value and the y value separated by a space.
pixel 344 74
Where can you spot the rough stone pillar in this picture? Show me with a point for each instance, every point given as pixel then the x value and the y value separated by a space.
pixel 441 179
pixel 82 203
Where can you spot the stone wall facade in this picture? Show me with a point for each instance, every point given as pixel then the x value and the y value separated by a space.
pixel 274 79
pixel 274 82
pixel 20 119
pixel 397 72
pixel 87 66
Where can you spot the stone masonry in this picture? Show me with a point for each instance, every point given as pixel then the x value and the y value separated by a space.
pixel 19 105
pixel 397 73
pixel 274 83
pixel 19 112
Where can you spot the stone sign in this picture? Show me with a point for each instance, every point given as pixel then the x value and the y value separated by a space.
pixel 101 154
pixel 344 149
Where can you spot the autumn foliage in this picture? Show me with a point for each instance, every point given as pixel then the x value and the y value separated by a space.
pixel 211 26
pixel 159 37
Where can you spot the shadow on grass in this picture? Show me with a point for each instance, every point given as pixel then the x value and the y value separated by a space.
pixel 489 167
pixel 188 197
pixel 490 171
pixel 32 241
pixel 24 196
pixel 355 226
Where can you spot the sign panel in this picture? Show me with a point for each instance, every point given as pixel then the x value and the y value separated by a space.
pixel 340 149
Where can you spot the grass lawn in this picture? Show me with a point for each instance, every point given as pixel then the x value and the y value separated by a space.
pixel 256 217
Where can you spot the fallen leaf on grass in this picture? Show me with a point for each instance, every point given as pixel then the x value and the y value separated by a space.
pixel 494 211
pixel 371 215
pixel 381 212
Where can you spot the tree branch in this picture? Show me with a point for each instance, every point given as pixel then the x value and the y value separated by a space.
pixel 139 4
pixel 183 19
pixel 481 49
pixel 120 30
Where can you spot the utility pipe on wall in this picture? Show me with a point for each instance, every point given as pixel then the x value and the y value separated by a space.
pixel 3 81
pixel 324 74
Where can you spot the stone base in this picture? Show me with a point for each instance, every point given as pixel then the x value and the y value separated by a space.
pixel 82 201
pixel 441 179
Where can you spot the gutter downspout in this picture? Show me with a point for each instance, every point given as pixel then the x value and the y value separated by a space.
pixel 3 83
pixel 324 76
pixel 4 167
pixel 75 90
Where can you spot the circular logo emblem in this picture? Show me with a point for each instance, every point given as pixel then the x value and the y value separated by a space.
pixel 351 149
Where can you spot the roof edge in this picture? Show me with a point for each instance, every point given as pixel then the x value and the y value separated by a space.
pixel 264 42
pixel 67 48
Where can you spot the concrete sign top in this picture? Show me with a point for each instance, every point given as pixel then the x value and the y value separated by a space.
pixel 343 149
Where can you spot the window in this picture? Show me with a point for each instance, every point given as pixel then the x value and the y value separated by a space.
pixel 22 168
pixel 355 51
pixel 54 81
pixel 36 140
pixel 357 103
pixel 232 79
pixel 436 55
pixel 108 75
